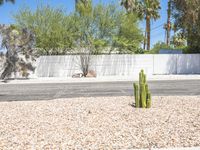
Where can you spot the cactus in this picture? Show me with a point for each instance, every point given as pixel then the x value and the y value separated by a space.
pixel 136 93
pixel 142 93
pixel 149 100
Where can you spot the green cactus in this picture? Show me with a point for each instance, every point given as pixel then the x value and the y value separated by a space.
pixel 141 92
pixel 147 88
pixel 143 95
pixel 136 92
pixel 140 78
pixel 144 78
pixel 149 100
pixel 142 71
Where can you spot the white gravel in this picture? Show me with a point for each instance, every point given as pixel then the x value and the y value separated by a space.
pixel 100 123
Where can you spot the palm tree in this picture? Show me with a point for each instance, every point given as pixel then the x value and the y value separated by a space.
pixel 147 9
pixel 129 5
pixel 2 1
pixel 168 25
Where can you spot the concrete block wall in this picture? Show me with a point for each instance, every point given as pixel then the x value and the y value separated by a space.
pixel 104 65
pixel 188 64
pixel 122 65
pixel 164 64
pixel 176 64
pixel 119 65
pixel 57 66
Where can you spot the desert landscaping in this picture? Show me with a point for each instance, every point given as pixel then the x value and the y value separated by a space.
pixel 100 75
pixel 100 123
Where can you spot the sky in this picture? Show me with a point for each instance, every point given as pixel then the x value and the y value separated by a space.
pixel 157 34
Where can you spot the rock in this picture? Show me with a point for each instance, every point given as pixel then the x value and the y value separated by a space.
pixel 77 75
pixel 91 73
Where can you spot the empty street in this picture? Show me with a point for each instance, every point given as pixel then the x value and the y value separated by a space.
pixel 49 91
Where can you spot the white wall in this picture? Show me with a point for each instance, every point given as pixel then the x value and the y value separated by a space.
pixel 57 66
pixel 188 64
pixel 165 64
pixel 120 65
pixel 104 65
pixel 123 65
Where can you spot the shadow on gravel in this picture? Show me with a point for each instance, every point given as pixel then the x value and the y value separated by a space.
pixel 51 99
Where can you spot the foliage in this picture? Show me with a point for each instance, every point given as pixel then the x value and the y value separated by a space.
pixel 2 1
pixel 144 8
pixel 83 7
pixel 103 27
pixel 133 6
pixel 129 37
pixel 53 29
pixel 186 14
pixel 147 9
pixel 20 53
pixel 107 26
pixel 157 47
pixel 142 93
pixel 179 40
pixel 176 45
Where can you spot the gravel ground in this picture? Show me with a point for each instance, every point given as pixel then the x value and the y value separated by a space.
pixel 100 123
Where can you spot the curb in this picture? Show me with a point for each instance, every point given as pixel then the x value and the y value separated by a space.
pixel 100 79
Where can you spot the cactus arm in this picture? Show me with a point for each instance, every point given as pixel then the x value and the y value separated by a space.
pixel 143 95
pixel 148 103
pixel 140 78
pixel 136 93
pixel 142 71
pixel 144 78
pixel 149 100
pixel 147 88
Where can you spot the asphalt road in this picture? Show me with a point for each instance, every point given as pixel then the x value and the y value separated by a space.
pixel 49 91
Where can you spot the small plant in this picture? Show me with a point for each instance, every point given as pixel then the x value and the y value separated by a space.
pixel 142 93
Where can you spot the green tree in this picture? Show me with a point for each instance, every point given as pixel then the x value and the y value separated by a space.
pixel 54 30
pixel 186 14
pixel 147 9
pixel 103 28
pixel 110 28
pixel 157 47
pixel 129 37
pixel 179 40
pixel 132 5
pixel 83 7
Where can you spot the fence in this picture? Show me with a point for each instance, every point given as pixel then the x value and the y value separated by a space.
pixel 119 65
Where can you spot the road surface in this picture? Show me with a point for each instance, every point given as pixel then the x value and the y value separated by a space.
pixel 49 91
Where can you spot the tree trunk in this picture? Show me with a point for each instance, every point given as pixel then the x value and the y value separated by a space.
pixel 189 33
pixel 145 39
pixel 148 27
pixel 168 23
